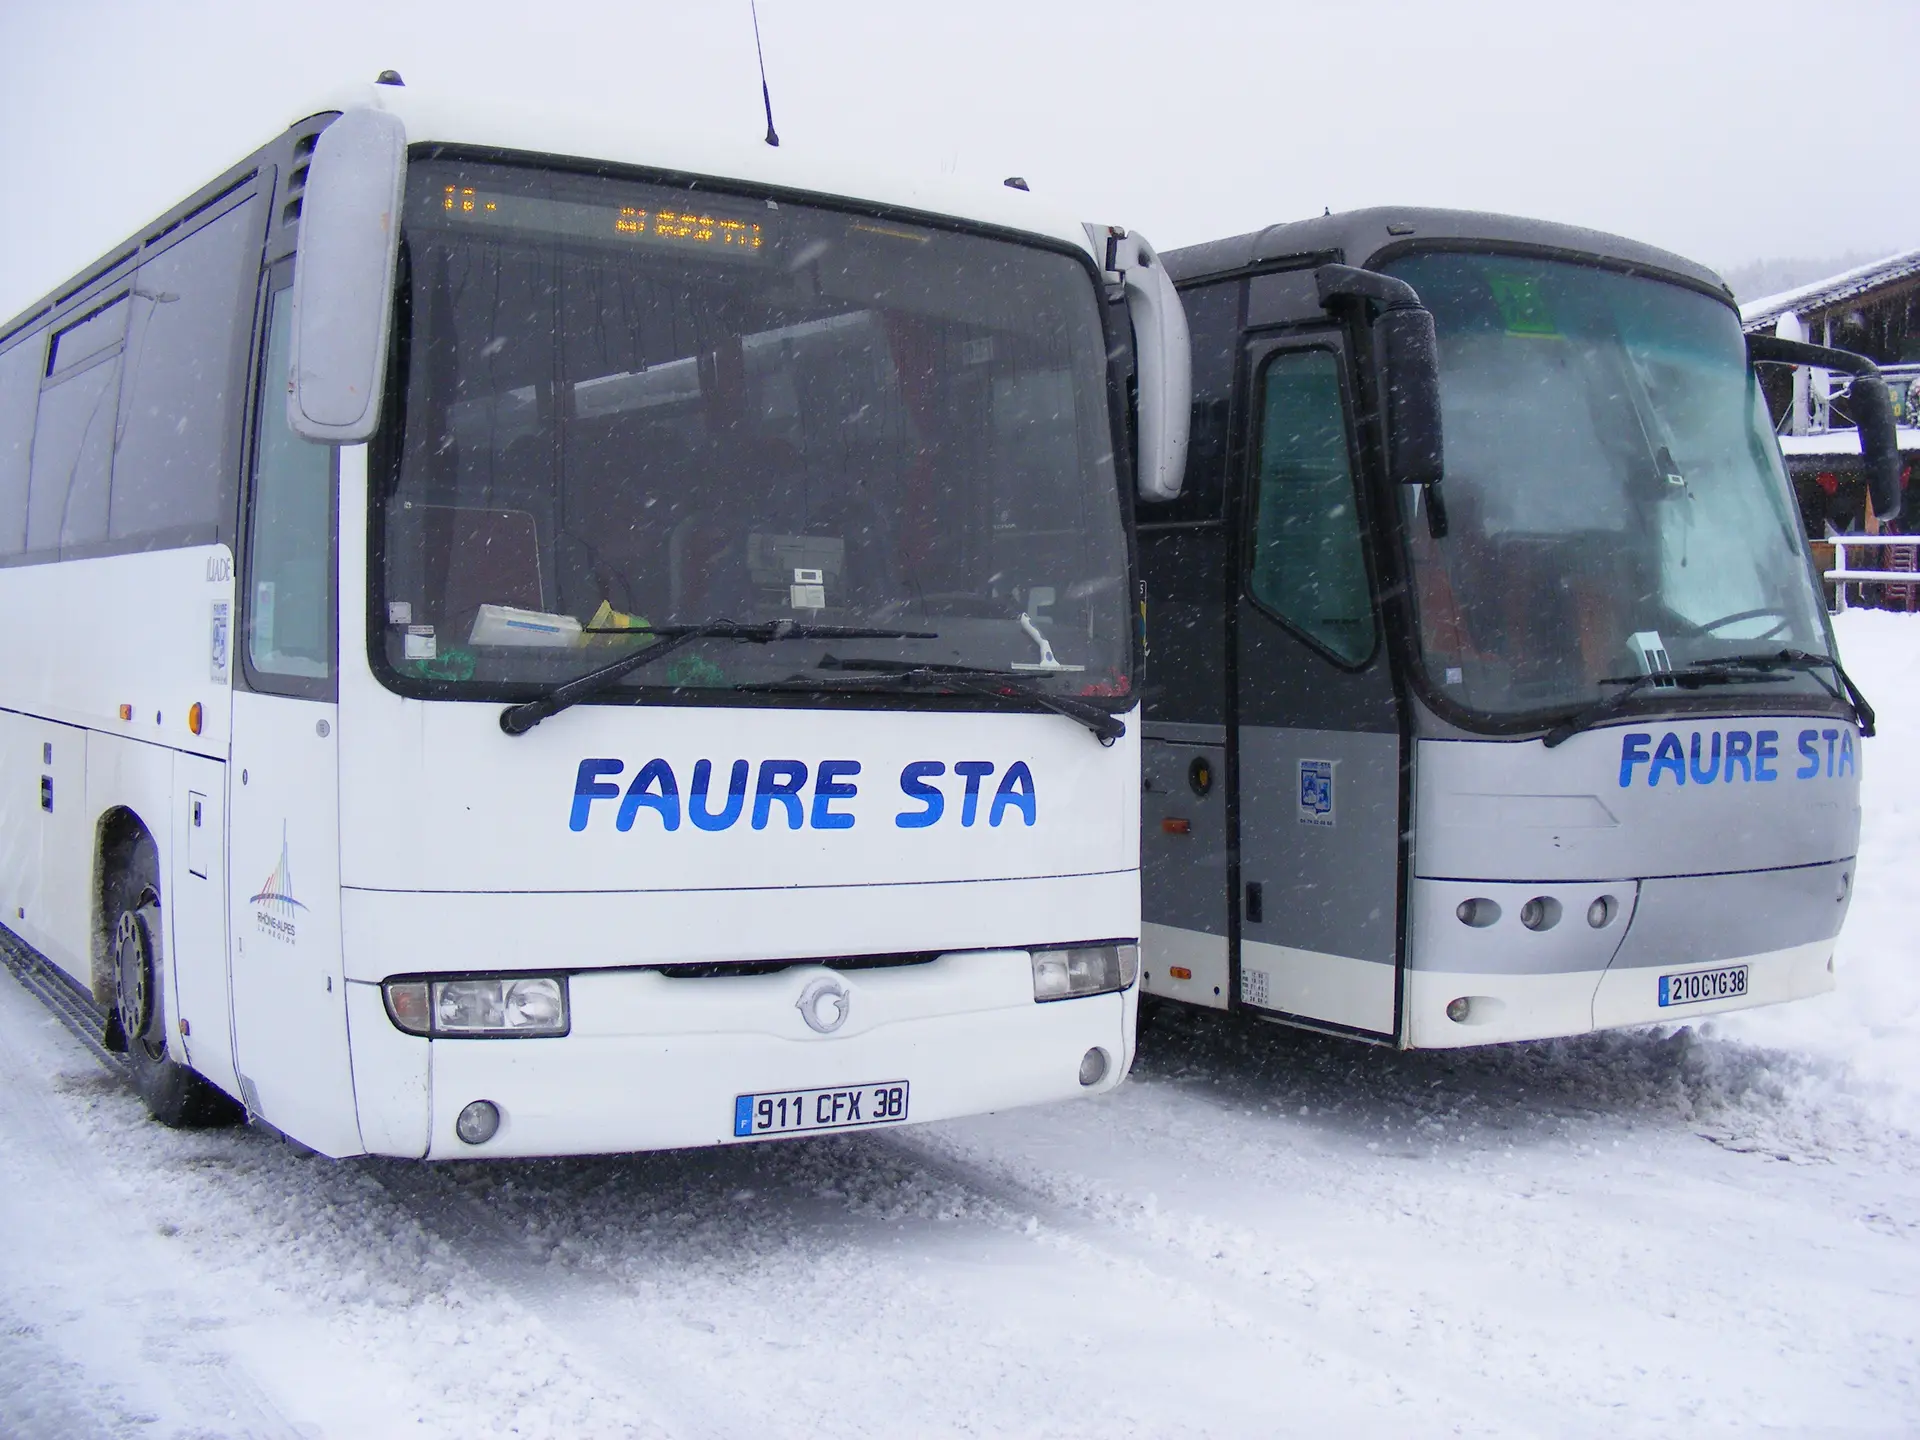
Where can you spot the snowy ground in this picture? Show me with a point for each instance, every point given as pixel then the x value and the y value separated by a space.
pixel 1713 1231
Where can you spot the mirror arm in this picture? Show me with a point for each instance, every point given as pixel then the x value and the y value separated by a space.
pixel 1772 350
pixel 1347 282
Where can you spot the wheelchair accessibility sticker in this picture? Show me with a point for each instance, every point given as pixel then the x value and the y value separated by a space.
pixel 1316 792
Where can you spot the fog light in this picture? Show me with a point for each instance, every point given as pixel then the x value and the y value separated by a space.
pixel 1540 913
pixel 1093 1066
pixel 1479 912
pixel 1601 912
pixel 478 1123
pixel 1459 1009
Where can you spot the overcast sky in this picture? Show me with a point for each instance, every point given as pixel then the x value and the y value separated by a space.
pixel 1727 131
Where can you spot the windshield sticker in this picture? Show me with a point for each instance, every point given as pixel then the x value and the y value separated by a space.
pixel 1746 756
pixel 796 795
pixel 1522 308
pixel 1316 792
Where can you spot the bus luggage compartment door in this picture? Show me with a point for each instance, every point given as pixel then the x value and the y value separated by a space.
pixel 1183 863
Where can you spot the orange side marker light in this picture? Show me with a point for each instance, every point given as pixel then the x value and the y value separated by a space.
pixel 194 717
pixel 126 712
pixel 1180 972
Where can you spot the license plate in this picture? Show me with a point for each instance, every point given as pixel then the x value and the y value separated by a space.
pixel 792 1112
pixel 1726 983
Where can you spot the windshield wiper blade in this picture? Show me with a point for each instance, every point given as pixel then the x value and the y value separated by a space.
pixel 1811 663
pixel 977 680
pixel 1730 671
pixel 519 719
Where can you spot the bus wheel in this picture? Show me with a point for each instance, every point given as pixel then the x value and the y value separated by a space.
pixel 174 1095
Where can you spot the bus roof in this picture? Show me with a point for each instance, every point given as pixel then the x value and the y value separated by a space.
pixel 604 134
pixel 1360 237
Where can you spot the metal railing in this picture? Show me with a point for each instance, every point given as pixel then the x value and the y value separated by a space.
pixel 1841 575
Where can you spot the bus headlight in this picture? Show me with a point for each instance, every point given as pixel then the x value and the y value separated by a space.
pixel 509 1006
pixel 1075 970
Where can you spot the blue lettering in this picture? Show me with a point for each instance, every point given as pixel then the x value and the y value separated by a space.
pixel 1633 751
pixel 589 787
pixel 655 788
pixel 1830 736
pixel 1712 772
pixel 1766 747
pixel 1015 792
pixel 827 788
pixel 913 784
pixel 1668 757
pixel 1812 752
pixel 1846 752
pixel 1740 748
pixel 975 771
pixel 780 780
pixel 697 811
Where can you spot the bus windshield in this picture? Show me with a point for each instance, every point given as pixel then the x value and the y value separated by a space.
pixel 627 405
pixel 1613 491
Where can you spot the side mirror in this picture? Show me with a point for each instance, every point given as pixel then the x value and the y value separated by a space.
pixel 1872 408
pixel 343 277
pixel 1163 361
pixel 1407 354
pixel 1868 399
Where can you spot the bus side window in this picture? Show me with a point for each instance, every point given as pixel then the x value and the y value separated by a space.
pixel 73 433
pixel 290 575
pixel 20 370
pixel 173 465
pixel 1308 568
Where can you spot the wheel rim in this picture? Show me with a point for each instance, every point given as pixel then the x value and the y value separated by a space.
pixel 133 967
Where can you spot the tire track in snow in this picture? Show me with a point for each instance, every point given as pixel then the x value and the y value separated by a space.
pixel 133 1355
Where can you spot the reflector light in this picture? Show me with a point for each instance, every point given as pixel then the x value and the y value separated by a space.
pixel 194 717
pixel 1180 972
pixel 1173 825
pixel 126 712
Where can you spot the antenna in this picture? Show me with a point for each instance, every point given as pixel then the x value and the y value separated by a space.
pixel 773 136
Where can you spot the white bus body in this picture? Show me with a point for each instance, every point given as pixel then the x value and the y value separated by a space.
pixel 238 755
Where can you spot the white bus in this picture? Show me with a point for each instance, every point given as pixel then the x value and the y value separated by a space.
pixel 527 640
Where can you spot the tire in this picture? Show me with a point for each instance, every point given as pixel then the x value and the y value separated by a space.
pixel 174 1095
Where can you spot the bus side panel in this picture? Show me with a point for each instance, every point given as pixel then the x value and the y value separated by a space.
pixel 42 815
pixel 198 919
pixel 59 915
pixel 289 991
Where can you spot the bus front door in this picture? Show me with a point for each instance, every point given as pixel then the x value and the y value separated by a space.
pixel 288 985
pixel 1317 728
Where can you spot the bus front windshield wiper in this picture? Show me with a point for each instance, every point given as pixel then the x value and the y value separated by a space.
pixel 519 719
pixel 1720 670
pixel 976 680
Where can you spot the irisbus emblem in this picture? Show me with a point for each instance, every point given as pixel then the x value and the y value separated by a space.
pixel 824 1005
pixel 275 905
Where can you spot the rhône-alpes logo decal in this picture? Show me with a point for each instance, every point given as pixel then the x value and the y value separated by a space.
pixel 274 906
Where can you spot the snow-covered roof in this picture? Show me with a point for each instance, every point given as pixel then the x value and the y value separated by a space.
pixel 608 134
pixel 1841 442
pixel 1834 290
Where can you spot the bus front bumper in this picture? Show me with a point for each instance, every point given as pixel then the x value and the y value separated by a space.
pixel 655 1062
